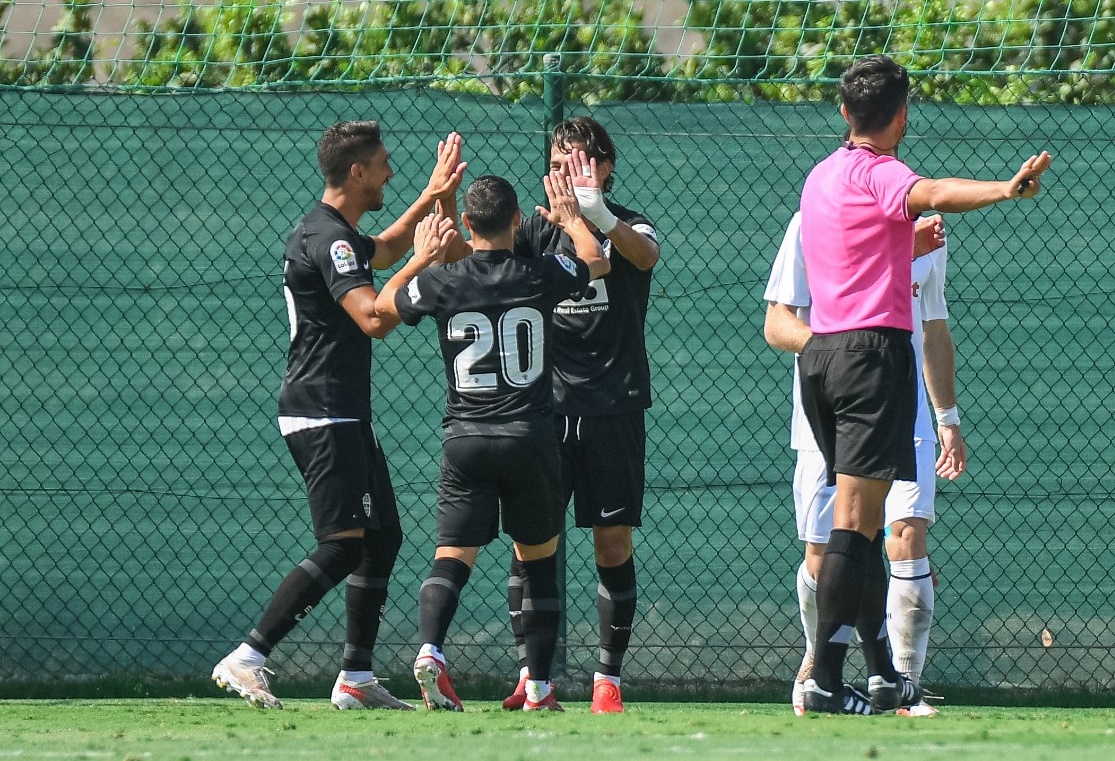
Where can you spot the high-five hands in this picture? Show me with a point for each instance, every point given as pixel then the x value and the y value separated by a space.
pixel 449 169
pixel 587 186
pixel 433 236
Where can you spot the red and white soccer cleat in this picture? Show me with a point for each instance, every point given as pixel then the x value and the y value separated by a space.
pixel 437 686
pixel 606 697
pixel 515 701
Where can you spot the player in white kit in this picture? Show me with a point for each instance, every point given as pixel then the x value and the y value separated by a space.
pixel 909 507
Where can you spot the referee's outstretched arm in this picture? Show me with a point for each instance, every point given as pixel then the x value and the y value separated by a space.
pixel 953 194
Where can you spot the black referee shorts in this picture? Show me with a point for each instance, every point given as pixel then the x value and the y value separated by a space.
pixel 346 477
pixel 604 467
pixel 482 474
pixel 859 391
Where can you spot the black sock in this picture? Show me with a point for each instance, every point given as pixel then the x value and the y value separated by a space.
pixel 541 615
pixel 615 603
pixel 839 595
pixel 871 621
pixel 515 608
pixel 437 601
pixel 302 589
pixel 366 596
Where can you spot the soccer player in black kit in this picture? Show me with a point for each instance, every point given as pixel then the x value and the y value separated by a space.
pixel 325 410
pixel 602 392
pixel 494 312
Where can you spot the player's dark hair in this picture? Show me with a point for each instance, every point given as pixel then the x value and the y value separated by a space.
pixel 345 144
pixel 873 89
pixel 490 203
pixel 590 136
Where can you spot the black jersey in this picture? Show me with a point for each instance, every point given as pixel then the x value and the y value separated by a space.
pixel 330 359
pixel 600 355
pixel 494 313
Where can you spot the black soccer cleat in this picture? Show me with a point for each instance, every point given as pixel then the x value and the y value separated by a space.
pixel 889 696
pixel 848 700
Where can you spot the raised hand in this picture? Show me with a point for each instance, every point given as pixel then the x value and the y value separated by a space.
pixel 433 236
pixel 587 187
pixel 564 209
pixel 1026 183
pixel 449 169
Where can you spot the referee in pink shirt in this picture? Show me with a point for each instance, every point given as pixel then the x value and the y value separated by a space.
pixel 858 379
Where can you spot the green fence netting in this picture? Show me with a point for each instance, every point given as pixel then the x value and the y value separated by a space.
pixel 149 505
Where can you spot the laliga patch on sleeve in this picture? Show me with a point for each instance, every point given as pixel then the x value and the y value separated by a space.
pixel 646 230
pixel 566 263
pixel 344 258
pixel 412 291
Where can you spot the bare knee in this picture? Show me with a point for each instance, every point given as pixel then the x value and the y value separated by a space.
pixel 529 552
pixel 612 545
pixel 907 539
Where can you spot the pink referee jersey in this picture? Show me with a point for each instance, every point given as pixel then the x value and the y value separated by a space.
pixel 858 241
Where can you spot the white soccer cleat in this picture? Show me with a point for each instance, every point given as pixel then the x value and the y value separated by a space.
pixel 797 698
pixel 348 695
pixel 249 682
pixel 797 695
pixel 921 709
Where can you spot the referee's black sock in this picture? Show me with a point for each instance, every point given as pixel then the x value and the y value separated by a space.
pixel 437 601
pixel 871 622
pixel 303 588
pixel 515 608
pixel 615 603
pixel 541 615
pixel 839 595
pixel 366 596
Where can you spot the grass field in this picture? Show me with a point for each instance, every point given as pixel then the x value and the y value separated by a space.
pixel 195 729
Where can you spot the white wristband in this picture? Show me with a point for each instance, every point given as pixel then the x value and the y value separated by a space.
pixel 594 210
pixel 948 416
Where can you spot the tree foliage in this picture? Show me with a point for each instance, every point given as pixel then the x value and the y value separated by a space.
pixel 965 51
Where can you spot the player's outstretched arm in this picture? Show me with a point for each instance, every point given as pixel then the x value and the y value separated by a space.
pixel 632 246
pixel 954 194
pixel 393 243
pixel 434 235
pixel 939 369
pixel 565 213
pixel 784 330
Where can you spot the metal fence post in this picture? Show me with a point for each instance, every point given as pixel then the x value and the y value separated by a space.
pixel 553 95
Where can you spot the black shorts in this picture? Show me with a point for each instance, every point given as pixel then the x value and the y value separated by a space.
pixel 481 474
pixel 346 477
pixel 604 467
pixel 859 392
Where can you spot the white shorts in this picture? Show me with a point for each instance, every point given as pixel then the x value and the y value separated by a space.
pixel 814 500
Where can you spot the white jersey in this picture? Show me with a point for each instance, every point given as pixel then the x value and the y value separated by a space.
pixel 788 285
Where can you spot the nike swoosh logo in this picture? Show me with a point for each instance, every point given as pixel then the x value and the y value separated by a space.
pixel 610 513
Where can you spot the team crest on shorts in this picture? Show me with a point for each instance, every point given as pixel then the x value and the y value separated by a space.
pixel 368 505
pixel 344 258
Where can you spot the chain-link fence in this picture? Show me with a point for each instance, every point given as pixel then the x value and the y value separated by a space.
pixel 149 505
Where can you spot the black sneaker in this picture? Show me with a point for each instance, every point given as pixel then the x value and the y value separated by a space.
pixel 848 700
pixel 888 696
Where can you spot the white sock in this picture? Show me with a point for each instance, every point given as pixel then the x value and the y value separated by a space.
pixel 431 650
pixel 909 614
pixel 537 691
pixel 249 656
pixel 524 673
pixel 613 679
pixel 357 677
pixel 807 607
